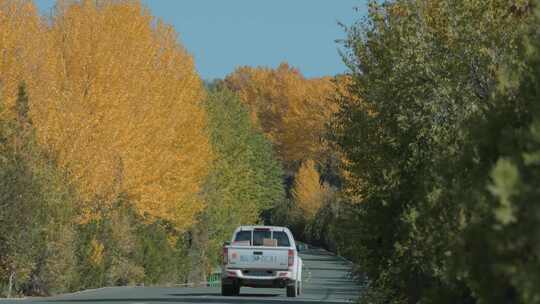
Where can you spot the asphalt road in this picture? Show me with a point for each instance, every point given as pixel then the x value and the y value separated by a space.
pixel 327 279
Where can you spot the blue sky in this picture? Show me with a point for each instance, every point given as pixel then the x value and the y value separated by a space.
pixel 224 34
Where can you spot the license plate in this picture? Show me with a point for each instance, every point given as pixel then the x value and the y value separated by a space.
pixel 259 259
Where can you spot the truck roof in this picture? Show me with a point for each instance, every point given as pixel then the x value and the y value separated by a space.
pixel 251 227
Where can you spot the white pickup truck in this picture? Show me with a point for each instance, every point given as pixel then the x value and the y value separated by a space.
pixel 261 257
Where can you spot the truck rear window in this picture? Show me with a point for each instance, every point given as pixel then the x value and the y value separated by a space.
pixel 259 236
pixel 243 236
pixel 282 239
pixel 262 237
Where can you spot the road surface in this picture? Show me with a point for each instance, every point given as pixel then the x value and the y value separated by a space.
pixel 327 279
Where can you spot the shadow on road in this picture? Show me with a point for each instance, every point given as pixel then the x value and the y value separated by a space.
pixel 253 295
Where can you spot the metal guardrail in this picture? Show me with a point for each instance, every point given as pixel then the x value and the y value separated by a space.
pixel 214 280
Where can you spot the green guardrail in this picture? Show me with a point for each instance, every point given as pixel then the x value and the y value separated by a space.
pixel 214 280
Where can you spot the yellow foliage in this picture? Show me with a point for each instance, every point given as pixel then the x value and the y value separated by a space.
pixel 351 182
pixel 22 45
pixel 116 98
pixel 309 193
pixel 96 255
pixel 291 110
pixel 172 240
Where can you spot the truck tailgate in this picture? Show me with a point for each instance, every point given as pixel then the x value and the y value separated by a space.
pixel 258 258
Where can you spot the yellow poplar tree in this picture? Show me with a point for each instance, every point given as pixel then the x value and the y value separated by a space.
pixel 23 44
pixel 120 107
pixel 308 192
pixel 291 110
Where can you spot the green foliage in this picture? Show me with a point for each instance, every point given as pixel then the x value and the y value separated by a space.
pixel 36 232
pixel 163 254
pixel 290 215
pixel 132 251
pixel 500 246
pixel 244 181
pixel 422 144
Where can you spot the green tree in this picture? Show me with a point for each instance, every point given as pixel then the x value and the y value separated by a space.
pixel 163 254
pixel 36 211
pixel 426 72
pixel 498 252
pixel 244 181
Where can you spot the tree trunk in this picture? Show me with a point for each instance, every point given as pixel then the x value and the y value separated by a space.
pixel 199 244
pixel 10 284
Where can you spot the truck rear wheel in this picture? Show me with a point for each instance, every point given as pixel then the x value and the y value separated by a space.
pixel 291 291
pixel 226 290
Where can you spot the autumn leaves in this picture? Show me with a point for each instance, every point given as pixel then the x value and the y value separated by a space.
pixel 116 98
pixel 145 167
pixel 293 112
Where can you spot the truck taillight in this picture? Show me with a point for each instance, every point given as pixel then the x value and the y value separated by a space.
pixel 225 256
pixel 291 257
